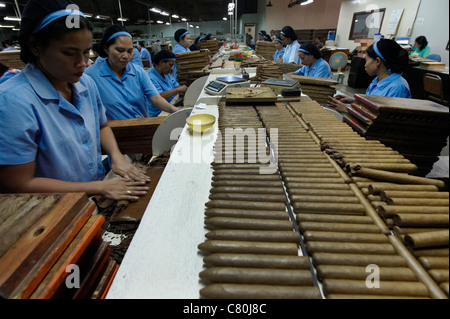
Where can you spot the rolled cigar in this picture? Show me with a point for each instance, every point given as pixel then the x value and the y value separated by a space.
pixel 439 275
pixel 369 152
pixel 321 160
pixel 391 167
pixel 247 247
pixel 257 261
pixel 242 213
pixel 367 161
pixel 350 248
pixel 376 188
pixel 302 161
pixel 236 291
pixel 343 219
pixel 292 169
pixel 247 223
pixel 389 210
pixel 236 171
pixel 417 202
pixel 338 207
pixel 236 166
pixel 249 190
pixel 393 177
pixel 345 237
pixel 312 180
pixel 290 173
pixel 360 273
pixel 428 239
pixel 344 286
pixel 327 186
pixel 358 179
pixel 320 192
pixel 374 198
pixel 255 235
pixel 358 260
pixel 247 183
pixel 248 197
pixel 324 199
pixel 421 220
pixel 431 252
pixel 404 230
pixel 259 177
pixel 246 205
pixel 385 194
pixel 287 277
pixel 429 262
pixel 445 287
pixel 347 296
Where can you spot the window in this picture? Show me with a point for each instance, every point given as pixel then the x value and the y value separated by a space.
pixel 366 24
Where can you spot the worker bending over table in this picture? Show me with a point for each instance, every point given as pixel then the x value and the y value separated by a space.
pixel 313 63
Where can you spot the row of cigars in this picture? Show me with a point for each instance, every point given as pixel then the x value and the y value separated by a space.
pixel 340 231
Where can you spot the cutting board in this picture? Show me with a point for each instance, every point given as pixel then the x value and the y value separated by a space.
pixel 245 96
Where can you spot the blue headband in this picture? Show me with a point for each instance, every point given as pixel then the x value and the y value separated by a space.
pixel 118 34
pixel 375 48
pixel 56 15
pixel 279 40
pixel 171 59
pixel 184 34
pixel 282 33
pixel 260 32
pixel 303 50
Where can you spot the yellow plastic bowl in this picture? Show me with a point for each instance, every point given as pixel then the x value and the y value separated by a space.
pixel 201 122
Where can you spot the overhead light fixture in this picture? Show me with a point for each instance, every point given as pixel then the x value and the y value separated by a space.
pixel 167 23
pixel 12 18
pixel 7 26
pixel 175 16
pixel 184 19
pixel 165 13
pixel 16 29
pixel 156 10
pixel 122 19
pixel 230 13
pixel 197 27
pixel 296 2
pixel 191 26
pixel 159 21
pixel 269 4
pixel 100 17
pixel 225 18
pixel 2 5
pixel 88 15
pixel 307 2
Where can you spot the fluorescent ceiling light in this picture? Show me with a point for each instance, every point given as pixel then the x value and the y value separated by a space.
pixel 15 29
pixel 167 23
pixel 184 19
pixel 12 18
pixel 2 5
pixel 159 21
pixel 197 26
pixel 102 17
pixel 88 15
pixel 191 26
pixel 164 14
pixel 307 2
pixel 122 19
pixel 225 19
pixel 230 13
pixel 175 16
pixel 7 26
pixel 156 10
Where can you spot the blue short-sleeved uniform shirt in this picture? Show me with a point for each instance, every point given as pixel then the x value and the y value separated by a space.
pixel 291 53
pixel 40 125
pixel 178 49
pixel 145 55
pixel 123 98
pixel 279 54
pixel 8 74
pixel 320 69
pixel 393 86
pixel 162 85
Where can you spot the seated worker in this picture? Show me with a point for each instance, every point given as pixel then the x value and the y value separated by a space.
pixel 183 40
pixel 123 86
pixel 161 76
pixel 289 38
pixel 387 60
pixel 196 45
pixel 263 36
pixel 53 121
pixel 145 55
pixel 313 63
pixel 6 73
pixel 420 48
pixel 278 56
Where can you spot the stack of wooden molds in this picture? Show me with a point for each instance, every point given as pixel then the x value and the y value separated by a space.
pixel 51 247
pixel 318 89
pixel 252 247
pixel 12 60
pixel 190 65
pixel 265 49
pixel 418 129
pixel 211 45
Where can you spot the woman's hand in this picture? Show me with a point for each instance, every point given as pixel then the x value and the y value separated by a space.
pixel 344 98
pixel 123 189
pixel 338 105
pixel 182 88
pixel 128 171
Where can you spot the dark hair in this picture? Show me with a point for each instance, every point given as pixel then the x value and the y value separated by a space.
pixel 312 49
pixel 396 57
pixel 289 33
pixel 178 34
pixel 34 12
pixel 141 43
pixel 104 43
pixel 265 35
pixel 163 55
pixel 209 36
pixel 422 41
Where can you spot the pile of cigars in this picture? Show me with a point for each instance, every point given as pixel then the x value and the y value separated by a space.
pixel 211 45
pixel 265 69
pixel 48 241
pixel 418 129
pixel 265 49
pixel 414 208
pixel 12 60
pixel 318 89
pixel 340 231
pixel 190 65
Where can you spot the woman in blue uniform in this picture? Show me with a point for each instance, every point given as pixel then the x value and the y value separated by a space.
pixel 278 56
pixel 145 55
pixel 161 76
pixel 263 36
pixel 387 60
pixel 183 42
pixel 52 117
pixel 290 41
pixel 313 63
pixel 124 88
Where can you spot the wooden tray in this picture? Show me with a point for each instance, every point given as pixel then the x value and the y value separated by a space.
pixel 250 95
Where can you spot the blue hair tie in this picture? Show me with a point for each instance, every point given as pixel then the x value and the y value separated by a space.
pixel 375 48
pixel 303 50
pixel 118 34
pixel 56 15
pixel 279 40
pixel 170 59
pixel 184 34
pixel 282 33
